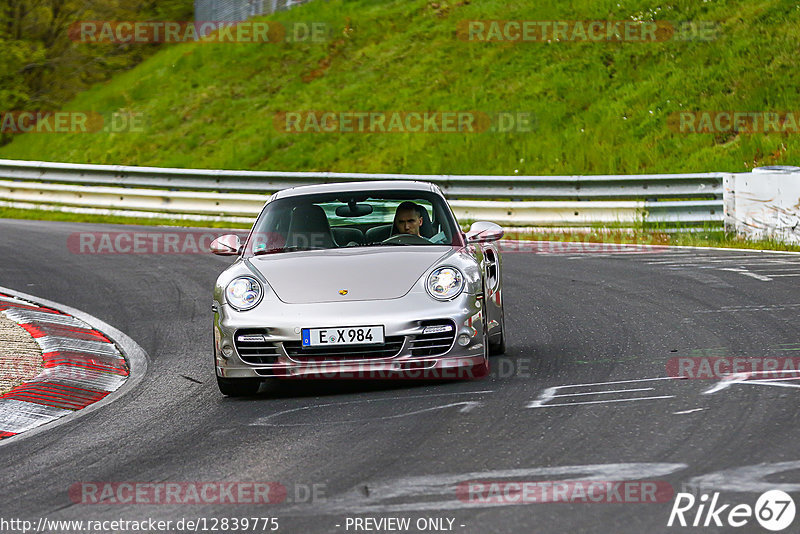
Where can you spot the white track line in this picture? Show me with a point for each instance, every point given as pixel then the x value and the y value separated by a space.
pixel 603 401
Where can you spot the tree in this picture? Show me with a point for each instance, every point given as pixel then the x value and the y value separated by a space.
pixel 41 68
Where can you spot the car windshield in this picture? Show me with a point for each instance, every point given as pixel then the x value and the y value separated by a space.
pixel 350 220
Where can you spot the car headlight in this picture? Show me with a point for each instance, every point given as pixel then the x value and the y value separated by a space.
pixel 244 293
pixel 445 283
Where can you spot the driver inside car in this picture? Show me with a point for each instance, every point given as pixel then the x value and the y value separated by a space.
pixel 408 219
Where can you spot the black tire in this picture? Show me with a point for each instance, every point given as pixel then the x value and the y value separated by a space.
pixel 499 347
pixel 238 387
pixel 482 371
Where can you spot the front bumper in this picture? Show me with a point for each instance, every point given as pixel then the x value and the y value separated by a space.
pixel 403 319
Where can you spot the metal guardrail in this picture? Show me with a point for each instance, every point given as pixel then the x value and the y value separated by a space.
pixel 239 195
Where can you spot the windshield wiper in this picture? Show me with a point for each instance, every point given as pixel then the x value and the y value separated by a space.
pixel 283 249
pixel 390 245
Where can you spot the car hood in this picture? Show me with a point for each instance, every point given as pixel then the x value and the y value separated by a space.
pixel 364 273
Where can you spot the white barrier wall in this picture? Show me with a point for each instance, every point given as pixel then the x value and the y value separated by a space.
pixel 764 203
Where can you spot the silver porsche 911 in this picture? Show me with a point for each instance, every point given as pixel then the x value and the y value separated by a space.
pixel 357 280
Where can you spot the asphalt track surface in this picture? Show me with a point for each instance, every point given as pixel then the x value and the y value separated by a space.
pixel 377 450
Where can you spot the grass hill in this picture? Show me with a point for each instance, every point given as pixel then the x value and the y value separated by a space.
pixel 597 107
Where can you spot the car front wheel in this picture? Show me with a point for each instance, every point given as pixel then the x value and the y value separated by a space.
pixel 238 387
pixel 482 371
pixel 498 345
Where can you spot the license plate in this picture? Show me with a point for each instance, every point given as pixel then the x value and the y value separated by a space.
pixel 350 335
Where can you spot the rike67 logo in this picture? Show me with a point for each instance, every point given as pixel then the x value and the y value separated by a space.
pixel 774 510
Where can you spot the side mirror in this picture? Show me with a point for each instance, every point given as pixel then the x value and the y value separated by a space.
pixel 226 245
pixel 484 232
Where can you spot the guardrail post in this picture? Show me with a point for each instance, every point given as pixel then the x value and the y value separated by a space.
pixel 729 202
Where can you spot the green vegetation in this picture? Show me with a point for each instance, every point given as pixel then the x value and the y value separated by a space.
pixel 41 67
pixel 723 240
pixel 599 107
pixel 699 238
pixel 42 215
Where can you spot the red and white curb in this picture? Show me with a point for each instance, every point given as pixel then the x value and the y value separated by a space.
pixel 81 366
